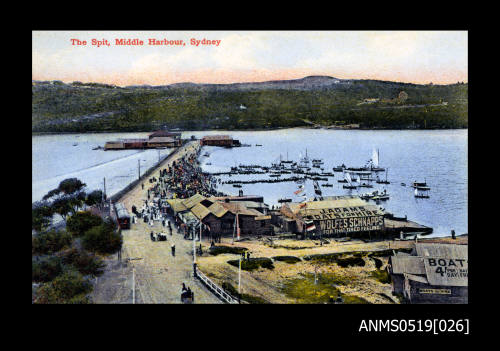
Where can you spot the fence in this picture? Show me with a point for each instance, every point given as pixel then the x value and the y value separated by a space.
pixel 224 296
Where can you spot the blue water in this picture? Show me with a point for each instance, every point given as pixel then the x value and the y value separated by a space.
pixel 54 158
pixel 437 156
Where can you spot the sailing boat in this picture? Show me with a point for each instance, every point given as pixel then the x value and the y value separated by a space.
pixel 420 195
pixel 364 185
pixel 343 180
pixel 304 161
pixel 375 161
pixel 384 181
pixel 349 180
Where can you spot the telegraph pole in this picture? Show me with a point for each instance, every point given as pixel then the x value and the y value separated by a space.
pixel 239 277
pixel 139 168
pixel 133 285
pixel 104 193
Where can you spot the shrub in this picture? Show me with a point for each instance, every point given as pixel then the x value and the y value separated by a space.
pixel 49 242
pixel 381 275
pixel 253 263
pixel 102 239
pixel 80 222
pixel 83 261
pixel 350 261
pixel 342 259
pixel 287 259
pixel 378 262
pixel 46 268
pixel 217 250
pixel 69 287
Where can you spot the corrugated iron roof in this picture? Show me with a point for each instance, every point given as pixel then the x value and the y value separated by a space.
pixel 253 204
pixel 240 208
pixel 177 205
pixel 442 250
pixel 200 211
pixel 217 209
pixel 161 140
pixel 193 200
pixel 407 264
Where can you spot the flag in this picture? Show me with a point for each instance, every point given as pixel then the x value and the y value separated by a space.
pixel 310 227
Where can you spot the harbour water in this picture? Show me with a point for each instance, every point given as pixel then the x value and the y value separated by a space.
pixel 438 157
pixel 57 157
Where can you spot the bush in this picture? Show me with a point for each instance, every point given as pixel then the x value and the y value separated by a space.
pixel 378 262
pixel 84 262
pixel 217 250
pixel 382 276
pixel 350 261
pixel 102 239
pixel 41 215
pixel 253 263
pixel 70 287
pixel 344 259
pixel 287 259
pixel 80 222
pixel 49 242
pixel 45 269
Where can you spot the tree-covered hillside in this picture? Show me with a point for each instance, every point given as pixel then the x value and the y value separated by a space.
pixel 80 107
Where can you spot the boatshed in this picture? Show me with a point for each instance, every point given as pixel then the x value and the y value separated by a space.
pixel 433 273
pixel 165 133
pixel 217 140
pixel 337 216
pixel 163 142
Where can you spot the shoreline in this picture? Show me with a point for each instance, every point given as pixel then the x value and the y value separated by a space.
pixel 240 130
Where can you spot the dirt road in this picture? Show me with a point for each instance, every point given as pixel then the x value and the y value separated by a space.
pixel 159 275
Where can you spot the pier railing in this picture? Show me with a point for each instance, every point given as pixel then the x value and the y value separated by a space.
pixel 219 292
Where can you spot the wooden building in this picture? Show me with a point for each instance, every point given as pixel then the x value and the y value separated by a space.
pixel 114 145
pixel 219 217
pixel 165 134
pixel 337 216
pixel 163 142
pixel 217 140
pixel 432 273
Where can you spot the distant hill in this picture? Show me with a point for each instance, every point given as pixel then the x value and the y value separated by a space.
pixel 321 100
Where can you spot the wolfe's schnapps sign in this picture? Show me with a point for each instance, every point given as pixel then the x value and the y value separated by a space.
pixel 339 220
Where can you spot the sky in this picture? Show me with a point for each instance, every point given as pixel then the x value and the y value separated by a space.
pixel 418 57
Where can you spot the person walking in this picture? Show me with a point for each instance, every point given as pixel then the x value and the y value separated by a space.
pixel 173 249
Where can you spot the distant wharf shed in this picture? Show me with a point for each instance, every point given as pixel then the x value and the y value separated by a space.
pixel 165 133
pixel 433 273
pixel 219 140
pixel 162 142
